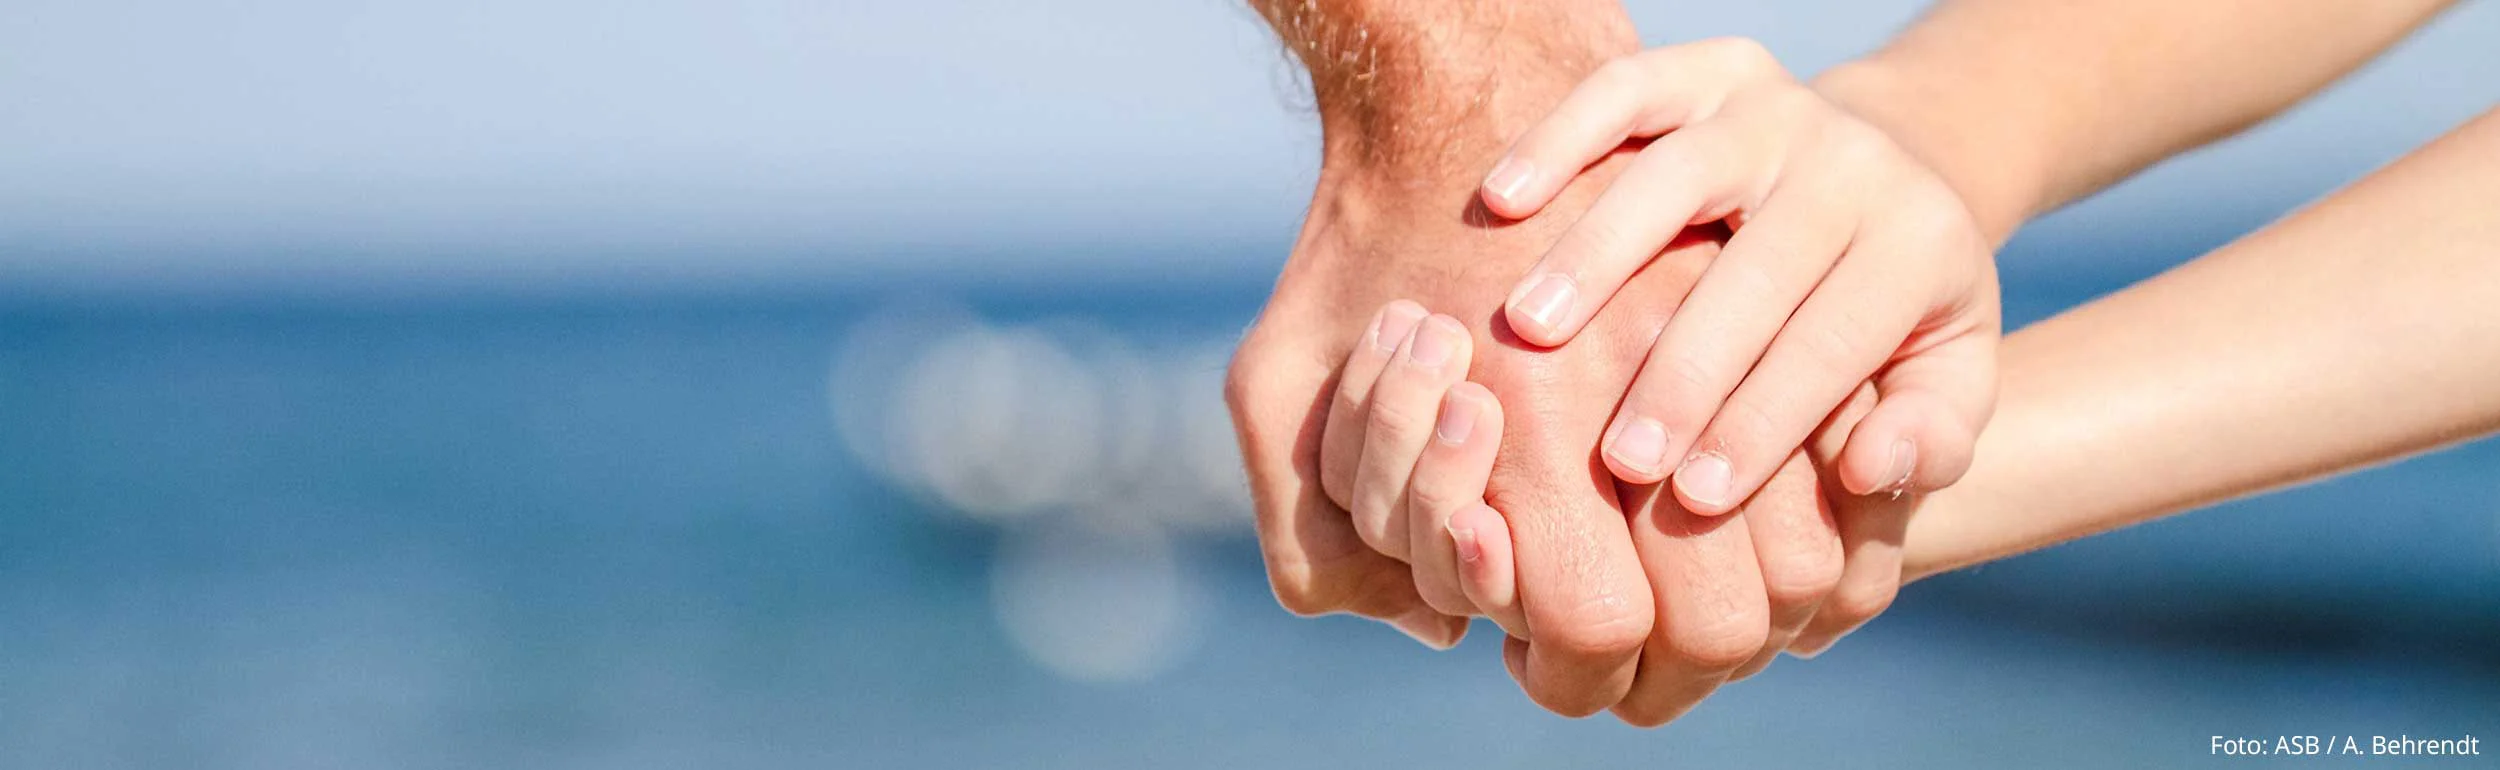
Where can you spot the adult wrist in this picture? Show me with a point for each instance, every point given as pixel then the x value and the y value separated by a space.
pixel 1439 87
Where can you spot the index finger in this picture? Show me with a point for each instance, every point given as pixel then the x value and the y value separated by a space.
pixel 1642 95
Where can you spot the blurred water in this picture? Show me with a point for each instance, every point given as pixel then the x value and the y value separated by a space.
pixel 627 532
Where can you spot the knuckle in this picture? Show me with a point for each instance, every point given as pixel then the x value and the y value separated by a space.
pixel 1851 144
pixel 1298 593
pixel 1597 630
pixel 1743 55
pixel 1339 468
pixel 1838 346
pixel 1621 76
pixel 1301 604
pixel 1568 703
pixel 1259 385
pixel 1811 644
pixel 1795 104
pixel 1856 602
pixel 1685 374
pixel 1444 596
pixel 1394 414
pixel 1722 644
pixel 1337 482
pixel 1943 222
pixel 1803 578
pixel 1761 661
pixel 1374 523
pixel 1241 388
pixel 1740 425
pixel 1429 493
pixel 1348 398
pixel 1595 239
pixel 1751 281
pixel 1677 159
pixel 1679 392
pixel 1644 714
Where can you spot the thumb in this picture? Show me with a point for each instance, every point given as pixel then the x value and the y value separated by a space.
pixel 1929 410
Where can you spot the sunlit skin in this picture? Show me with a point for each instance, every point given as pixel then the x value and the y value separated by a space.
pixel 1608 582
pixel 1625 601
pixel 2018 106
pixel 2262 364
pixel 1850 261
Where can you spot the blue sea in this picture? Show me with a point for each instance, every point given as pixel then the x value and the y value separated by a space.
pixel 705 529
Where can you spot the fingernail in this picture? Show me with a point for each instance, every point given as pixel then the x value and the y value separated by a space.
pixel 1642 446
pixel 1547 300
pixel 1509 178
pixel 1464 538
pixel 1458 421
pixel 1904 462
pixel 1393 325
pixel 1433 341
pixel 1705 479
pixel 1426 626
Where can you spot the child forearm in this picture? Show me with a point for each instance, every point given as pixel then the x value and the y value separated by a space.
pixel 2361 329
pixel 2027 105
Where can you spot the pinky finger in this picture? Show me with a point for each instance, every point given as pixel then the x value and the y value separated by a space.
pixel 1485 569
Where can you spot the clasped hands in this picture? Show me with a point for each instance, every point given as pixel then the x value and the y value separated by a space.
pixel 1655 385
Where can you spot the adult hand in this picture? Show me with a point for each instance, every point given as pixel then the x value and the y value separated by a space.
pixel 1377 235
pixel 1460 549
pixel 1413 111
pixel 1727 592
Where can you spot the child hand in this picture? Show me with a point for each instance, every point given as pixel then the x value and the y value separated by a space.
pixel 1426 442
pixel 1410 452
pixel 1850 260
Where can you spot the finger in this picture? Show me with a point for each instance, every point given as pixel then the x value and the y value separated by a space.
pixel 1934 403
pixel 1867 582
pixel 1341 447
pixel 1713 614
pixel 1585 603
pixel 1450 477
pixel 1641 95
pixel 1515 657
pixel 1430 628
pixel 1847 329
pixel 1315 562
pixel 1732 315
pixel 1403 405
pixel 1798 545
pixel 1870 537
pixel 1582 584
pixel 1581 576
pixel 1482 539
pixel 1697 174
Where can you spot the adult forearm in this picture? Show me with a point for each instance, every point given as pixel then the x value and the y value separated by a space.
pixel 2358 330
pixel 1437 83
pixel 2029 104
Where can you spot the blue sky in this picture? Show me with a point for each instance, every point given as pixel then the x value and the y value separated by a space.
pixel 243 142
